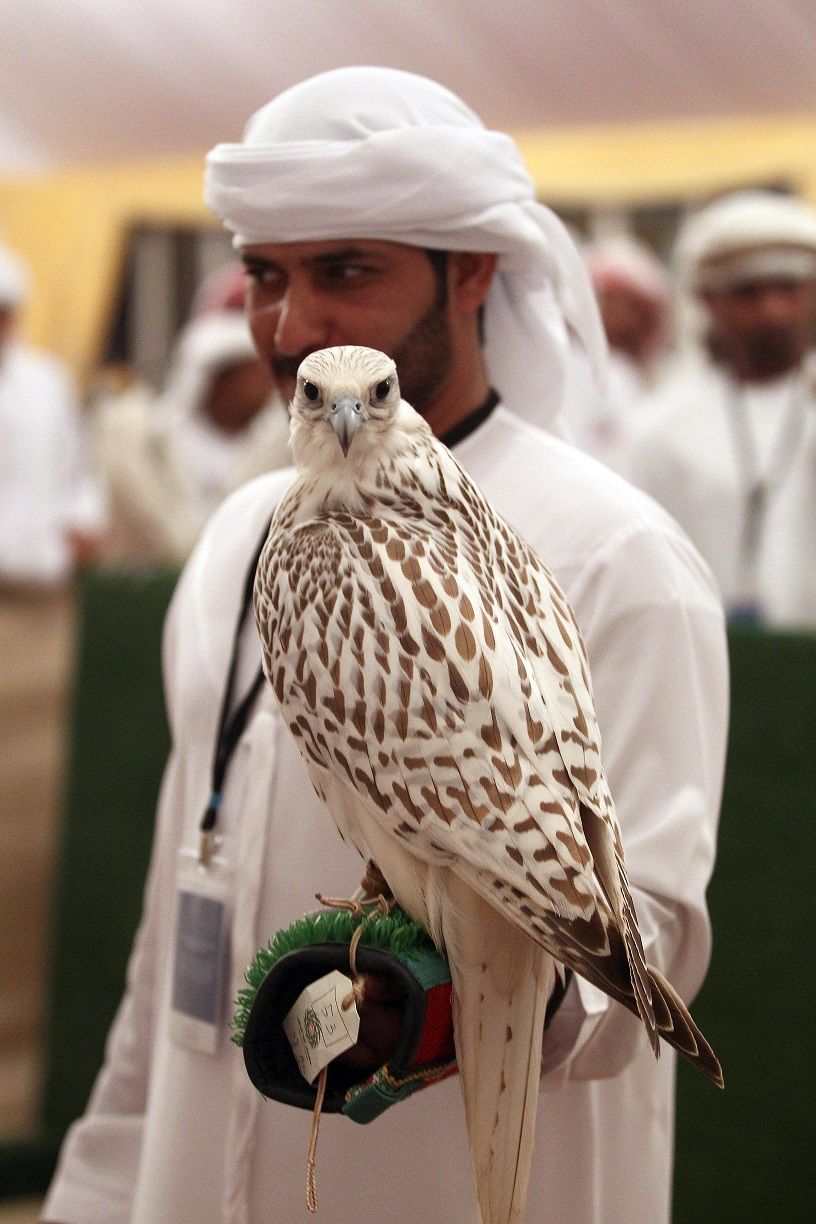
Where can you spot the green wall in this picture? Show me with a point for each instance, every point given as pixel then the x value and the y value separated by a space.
pixel 745 1155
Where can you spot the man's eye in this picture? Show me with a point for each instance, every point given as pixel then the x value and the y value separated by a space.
pixel 311 391
pixel 345 272
pixel 382 388
pixel 260 275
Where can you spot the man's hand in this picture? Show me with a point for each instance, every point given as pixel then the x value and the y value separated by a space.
pixel 381 1010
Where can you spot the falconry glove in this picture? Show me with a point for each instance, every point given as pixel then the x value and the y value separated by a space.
pixel 390 945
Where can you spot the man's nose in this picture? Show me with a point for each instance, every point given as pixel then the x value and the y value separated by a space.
pixel 302 324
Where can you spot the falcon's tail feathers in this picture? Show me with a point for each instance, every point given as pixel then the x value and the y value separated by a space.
pixel 676 1026
pixel 501 985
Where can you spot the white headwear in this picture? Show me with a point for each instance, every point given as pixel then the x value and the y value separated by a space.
pixel 744 235
pixel 374 153
pixel 622 260
pixel 621 263
pixel 223 289
pixel 13 280
pixel 207 345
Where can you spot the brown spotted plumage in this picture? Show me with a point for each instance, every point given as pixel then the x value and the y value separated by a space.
pixel 436 682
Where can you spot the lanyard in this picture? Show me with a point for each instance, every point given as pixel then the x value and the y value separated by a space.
pixel 232 723
pixel 471 422
pixel 757 488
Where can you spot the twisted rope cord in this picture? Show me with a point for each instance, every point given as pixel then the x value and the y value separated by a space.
pixel 364 910
pixel 311 1156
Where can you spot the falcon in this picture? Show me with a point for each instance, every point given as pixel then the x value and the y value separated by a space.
pixel 434 677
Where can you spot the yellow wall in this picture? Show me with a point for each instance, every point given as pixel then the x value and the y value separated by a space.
pixel 651 162
pixel 72 226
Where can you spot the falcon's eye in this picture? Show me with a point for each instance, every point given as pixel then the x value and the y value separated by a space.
pixel 311 391
pixel 382 388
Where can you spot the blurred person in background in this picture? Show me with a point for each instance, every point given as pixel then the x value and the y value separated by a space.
pixel 169 461
pixel 223 289
pixel 52 507
pixel 51 517
pixel 634 297
pixel 729 442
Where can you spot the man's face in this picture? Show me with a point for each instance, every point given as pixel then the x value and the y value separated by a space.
pixel 237 395
pixel 630 320
pixel 6 325
pixel 763 328
pixel 305 296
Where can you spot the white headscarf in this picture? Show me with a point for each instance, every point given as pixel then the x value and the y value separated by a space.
pixel 623 260
pixel 744 235
pixel 762 231
pixel 374 153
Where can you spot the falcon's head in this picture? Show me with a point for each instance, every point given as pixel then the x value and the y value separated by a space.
pixel 344 394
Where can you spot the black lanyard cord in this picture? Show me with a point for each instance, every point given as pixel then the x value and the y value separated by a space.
pixel 472 422
pixel 231 725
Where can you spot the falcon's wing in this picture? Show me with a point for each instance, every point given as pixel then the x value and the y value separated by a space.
pixel 401 667
pixel 546 631
pixel 394 666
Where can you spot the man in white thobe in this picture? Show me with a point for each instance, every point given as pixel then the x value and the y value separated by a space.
pixel 51 515
pixel 168 461
pixel 634 298
pixel 52 506
pixel 344 197
pixel 728 443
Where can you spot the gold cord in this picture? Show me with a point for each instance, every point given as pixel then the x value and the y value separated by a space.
pixel 363 910
pixel 311 1158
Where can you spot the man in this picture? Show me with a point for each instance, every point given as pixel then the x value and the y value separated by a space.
pixel 52 508
pixel 728 443
pixel 342 196
pixel 169 461
pixel 51 514
pixel 222 289
pixel 632 288
pixel 634 297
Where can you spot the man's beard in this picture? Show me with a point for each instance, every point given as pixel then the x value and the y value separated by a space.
pixel 770 351
pixel 423 358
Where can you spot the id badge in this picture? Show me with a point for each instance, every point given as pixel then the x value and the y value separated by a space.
pixel 201 952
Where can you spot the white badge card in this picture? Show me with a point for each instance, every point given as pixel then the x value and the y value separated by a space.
pixel 319 1027
pixel 200 953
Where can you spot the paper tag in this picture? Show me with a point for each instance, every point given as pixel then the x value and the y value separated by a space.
pixel 318 1027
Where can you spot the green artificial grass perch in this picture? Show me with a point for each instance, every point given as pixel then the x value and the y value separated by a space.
pixel 394 932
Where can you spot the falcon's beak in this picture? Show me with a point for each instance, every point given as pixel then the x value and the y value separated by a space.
pixel 346 416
